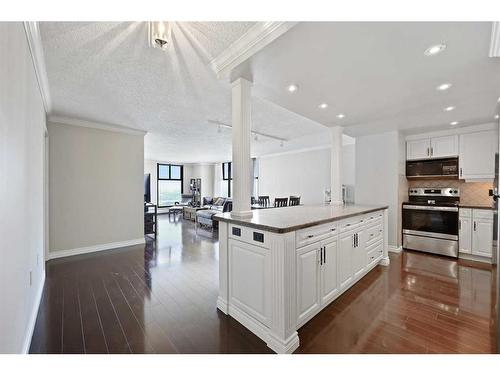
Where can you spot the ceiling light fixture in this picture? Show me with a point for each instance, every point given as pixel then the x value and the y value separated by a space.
pixel 434 50
pixel 453 123
pixel 496 117
pixel 450 108
pixel 340 115
pixel 292 88
pixel 443 86
pixel 159 34
pixel 323 105
pixel 255 134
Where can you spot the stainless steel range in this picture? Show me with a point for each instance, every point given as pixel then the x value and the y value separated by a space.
pixel 430 220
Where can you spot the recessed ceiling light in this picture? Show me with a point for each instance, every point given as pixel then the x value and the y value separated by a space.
pixel 453 123
pixel 434 50
pixel 498 99
pixel 323 105
pixel 496 117
pixel 450 108
pixel 292 88
pixel 340 115
pixel 443 86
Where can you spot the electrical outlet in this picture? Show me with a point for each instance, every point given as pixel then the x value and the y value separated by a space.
pixel 31 278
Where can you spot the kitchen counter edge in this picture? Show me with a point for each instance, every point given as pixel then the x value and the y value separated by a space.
pixel 293 228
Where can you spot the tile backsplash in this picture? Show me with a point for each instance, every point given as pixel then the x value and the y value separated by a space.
pixel 473 193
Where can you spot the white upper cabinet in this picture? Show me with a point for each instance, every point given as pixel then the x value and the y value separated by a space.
pixel 432 148
pixel 418 149
pixel 444 147
pixel 477 155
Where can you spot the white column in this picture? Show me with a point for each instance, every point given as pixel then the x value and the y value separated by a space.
pixel 241 132
pixel 336 165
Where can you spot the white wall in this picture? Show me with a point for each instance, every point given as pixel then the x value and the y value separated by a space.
pixel 22 127
pixel 96 187
pixel 203 171
pixel 379 161
pixel 306 174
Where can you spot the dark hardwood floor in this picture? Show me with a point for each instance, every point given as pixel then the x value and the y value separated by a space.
pixel 160 298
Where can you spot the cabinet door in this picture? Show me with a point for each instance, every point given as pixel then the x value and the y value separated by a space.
pixel 419 149
pixel 465 235
pixel 359 254
pixel 477 155
pixel 482 237
pixel 443 147
pixel 329 274
pixel 308 292
pixel 346 247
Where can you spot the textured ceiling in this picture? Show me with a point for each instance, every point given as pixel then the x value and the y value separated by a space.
pixel 106 72
pixel 376 73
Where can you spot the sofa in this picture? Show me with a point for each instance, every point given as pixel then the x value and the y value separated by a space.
pixel 213 206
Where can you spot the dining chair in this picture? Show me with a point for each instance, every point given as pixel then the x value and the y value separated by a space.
pixel 294 200
pixel 264 200
pixel 280 202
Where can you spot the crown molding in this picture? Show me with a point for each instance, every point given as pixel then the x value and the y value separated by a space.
pixel 495 40
pixel 256 38
pixel 95 125
pixel 36 50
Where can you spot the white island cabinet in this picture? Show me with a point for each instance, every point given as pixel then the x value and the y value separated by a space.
pixel 278 269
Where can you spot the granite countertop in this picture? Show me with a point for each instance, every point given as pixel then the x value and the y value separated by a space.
pixel 482 207
pixel 289 219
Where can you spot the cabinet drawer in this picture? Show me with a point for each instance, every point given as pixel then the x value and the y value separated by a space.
pixel 351 223
pixel 374 233
pixel 249 235
pixel 317 233
pixel 465 212
pixel 482 214
pixel 375 253
pixel 374 217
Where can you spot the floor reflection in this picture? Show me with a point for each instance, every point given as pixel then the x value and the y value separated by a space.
pixel 421 304
pixel 160 298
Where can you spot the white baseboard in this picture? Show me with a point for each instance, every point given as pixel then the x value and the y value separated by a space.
pixel 395 249
pixel 474 258
pixel 95 248
pixel 34 314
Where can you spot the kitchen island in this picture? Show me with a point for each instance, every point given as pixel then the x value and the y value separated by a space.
pixel 282 266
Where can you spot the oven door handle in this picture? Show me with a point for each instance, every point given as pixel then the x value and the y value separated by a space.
pixel 430 208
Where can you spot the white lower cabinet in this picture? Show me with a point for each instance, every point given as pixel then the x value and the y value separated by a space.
pixel 308 281
pixel 475 232
pixel 329 272
pixel 346 249
pixel 359 254
pixel 330 266
pixel 317 281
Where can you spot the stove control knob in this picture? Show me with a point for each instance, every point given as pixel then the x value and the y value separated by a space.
pixel 455 191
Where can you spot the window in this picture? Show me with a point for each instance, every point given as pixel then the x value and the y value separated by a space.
pixel 227 178
pixel 170 181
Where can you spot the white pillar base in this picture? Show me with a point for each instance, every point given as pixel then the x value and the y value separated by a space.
pixel 242 214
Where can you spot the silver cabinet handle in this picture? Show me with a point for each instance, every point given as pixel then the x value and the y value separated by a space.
pixel 310 236
pixel 324 254
pixel 320 255
pixel 432 151
pixel 428 152
pixel 460 171
pixel 474 226
pixel 459 224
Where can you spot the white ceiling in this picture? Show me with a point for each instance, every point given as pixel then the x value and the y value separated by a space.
pixel 107 72
pixel 377 74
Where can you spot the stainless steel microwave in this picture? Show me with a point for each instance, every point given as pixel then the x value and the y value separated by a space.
pixel 447 168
